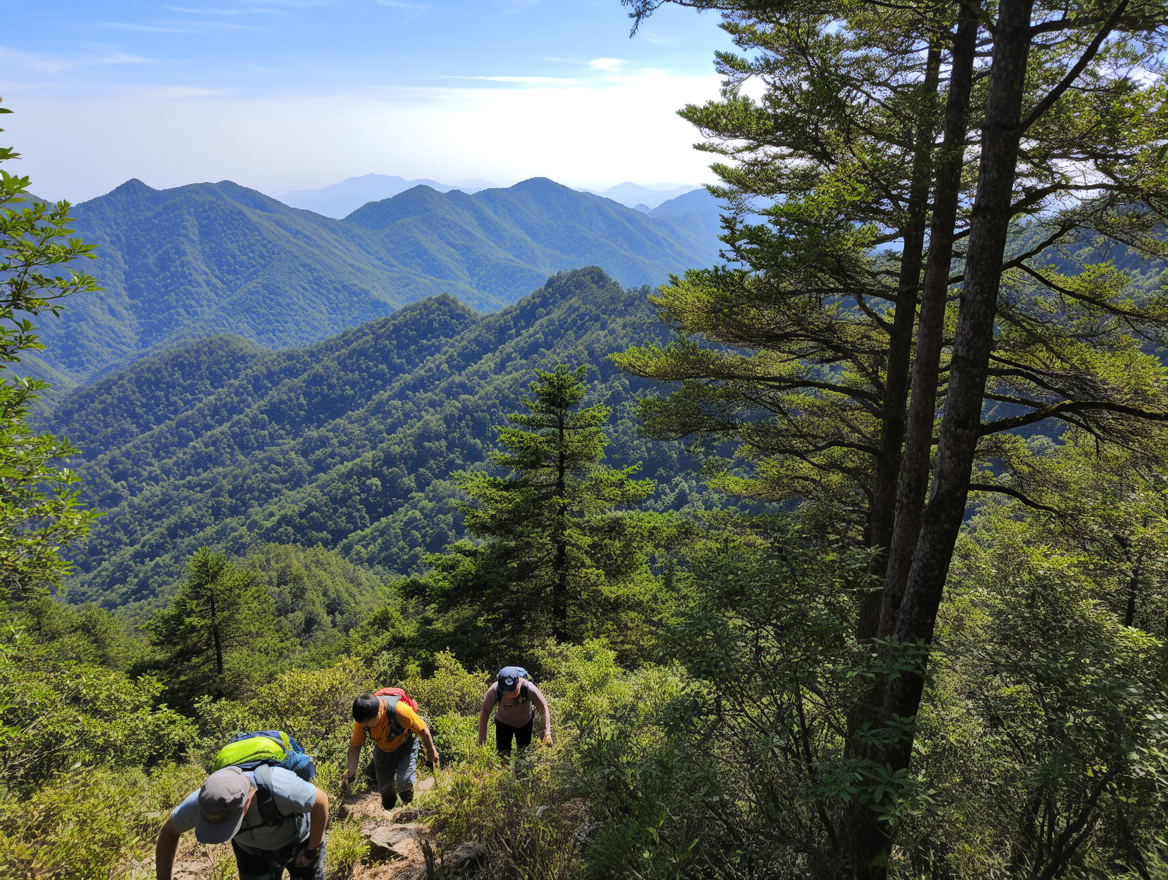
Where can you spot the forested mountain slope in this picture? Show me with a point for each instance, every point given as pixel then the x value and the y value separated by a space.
pixel 348 444
pixel 198 260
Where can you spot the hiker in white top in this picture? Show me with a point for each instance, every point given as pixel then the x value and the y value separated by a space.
pixel 513 693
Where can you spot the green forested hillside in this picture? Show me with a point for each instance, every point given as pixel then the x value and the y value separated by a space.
pixel 187 263
pixel 348 444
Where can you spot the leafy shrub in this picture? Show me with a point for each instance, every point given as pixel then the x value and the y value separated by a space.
pixel 526 825
pixel 313 706
pixel 449 690
pixel 345 848
pixel 456 738
pixel 54 714
pixel 82 826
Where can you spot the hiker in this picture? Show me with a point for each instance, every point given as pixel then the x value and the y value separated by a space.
pixel 513 692
pixel 228 807
pixel 391 720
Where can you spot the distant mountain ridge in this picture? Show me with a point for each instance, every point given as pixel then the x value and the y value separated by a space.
pixel 182 264
pixel 341 199
pixel 632 195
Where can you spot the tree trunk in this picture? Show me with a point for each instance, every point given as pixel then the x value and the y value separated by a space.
pixel 871 843
pixel 897 369
pixel 215 635
pixel 560 587
pixel 914 475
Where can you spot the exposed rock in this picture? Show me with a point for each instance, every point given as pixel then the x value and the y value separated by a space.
pixel 391 842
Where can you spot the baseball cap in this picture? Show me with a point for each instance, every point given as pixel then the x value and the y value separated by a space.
pixel 508 679
pixel 221 805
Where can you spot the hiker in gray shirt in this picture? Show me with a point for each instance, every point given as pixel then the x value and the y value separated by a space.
pixel 513 693
pixel 273 818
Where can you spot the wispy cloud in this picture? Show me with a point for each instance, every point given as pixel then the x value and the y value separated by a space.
pixel 185 92
pixel 522 80
pixel 183 27
pixel 608 65
pixel 31 62
pixel 401 4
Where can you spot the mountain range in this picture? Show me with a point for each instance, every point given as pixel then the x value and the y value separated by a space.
pixel 341 199
pixel 182 264
pixel 349 443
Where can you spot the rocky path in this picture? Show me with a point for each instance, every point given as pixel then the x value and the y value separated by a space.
pixel 394 837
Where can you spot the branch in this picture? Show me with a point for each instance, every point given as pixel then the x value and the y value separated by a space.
pixel 1073 74
pixel 1056 410
pixel 1013 493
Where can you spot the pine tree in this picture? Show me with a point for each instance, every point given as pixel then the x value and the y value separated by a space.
pixel 218 635
pixel 561 553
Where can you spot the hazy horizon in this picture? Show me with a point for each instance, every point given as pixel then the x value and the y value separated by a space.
pixel 302 94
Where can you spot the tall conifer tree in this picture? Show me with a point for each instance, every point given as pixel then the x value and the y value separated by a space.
pixel 561 554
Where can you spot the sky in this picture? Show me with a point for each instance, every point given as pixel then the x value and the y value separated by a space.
pixel 281 95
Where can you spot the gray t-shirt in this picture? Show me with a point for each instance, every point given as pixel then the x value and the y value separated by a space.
pixel 294 798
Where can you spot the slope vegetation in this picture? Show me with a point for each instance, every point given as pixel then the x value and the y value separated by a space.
pixel 348 444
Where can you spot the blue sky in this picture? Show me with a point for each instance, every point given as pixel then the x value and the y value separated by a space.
pixel 293 94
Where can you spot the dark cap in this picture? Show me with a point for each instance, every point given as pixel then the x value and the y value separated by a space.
pixel 509 678
pixel 222 800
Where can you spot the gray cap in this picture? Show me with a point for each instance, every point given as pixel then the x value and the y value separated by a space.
pixel 221 805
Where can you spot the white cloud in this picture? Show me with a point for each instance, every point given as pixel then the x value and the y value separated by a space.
pixel 523 80
pixel 598 134
pixel 401 4
pixel 609 65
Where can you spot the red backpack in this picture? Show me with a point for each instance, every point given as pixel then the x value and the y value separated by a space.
pixel 398 692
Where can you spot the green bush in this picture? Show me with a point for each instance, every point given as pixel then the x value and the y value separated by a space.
pixel 522 818
pixel 82 826
pixel 448 690
pixel 345 848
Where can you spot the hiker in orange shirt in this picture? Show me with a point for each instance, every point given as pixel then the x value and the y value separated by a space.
pixel 394 727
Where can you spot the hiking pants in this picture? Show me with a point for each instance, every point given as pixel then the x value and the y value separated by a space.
pixel 504 732
pixel 396 772
pixel 271 866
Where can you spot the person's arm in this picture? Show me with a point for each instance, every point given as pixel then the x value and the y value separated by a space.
pixel 318 817
pixel 164 850
pixel 540 701
pixel 354 757
pixel 355 742
pixel 488 701
pixel 428 742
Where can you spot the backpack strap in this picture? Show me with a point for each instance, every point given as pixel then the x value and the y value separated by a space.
pixel 265 799
pixel 390 702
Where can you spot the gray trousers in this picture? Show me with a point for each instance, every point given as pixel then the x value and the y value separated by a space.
pixel 396 772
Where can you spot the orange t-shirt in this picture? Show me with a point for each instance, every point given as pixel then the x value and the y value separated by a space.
pixel 381 730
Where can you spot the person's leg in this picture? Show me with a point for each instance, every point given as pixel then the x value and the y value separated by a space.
pixel 503 736
pixel 385 766
pixel 407 770
pixel 523 734
pixel 253 867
